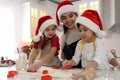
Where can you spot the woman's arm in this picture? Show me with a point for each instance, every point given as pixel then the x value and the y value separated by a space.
pixel 62 43
pixel 114 62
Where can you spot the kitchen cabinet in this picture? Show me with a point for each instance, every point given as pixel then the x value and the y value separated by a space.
pixel 111 15
pixel 87 4
pixel 31 12
pixel 49 6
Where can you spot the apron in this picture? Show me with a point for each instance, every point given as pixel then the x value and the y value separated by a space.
pixel 55 61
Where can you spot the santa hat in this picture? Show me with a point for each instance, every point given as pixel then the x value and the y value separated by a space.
pixel 43 23
pixel 63 7
pixel 91 19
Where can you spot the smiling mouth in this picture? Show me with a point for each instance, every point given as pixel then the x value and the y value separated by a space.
pixel 70 24
pixel 50 35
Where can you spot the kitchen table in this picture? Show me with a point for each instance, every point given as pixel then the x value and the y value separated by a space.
pixel 23 75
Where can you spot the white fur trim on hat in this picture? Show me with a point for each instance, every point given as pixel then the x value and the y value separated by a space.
pixel 46 24
pixel 91 25
pixel 67 8
pixel 43 27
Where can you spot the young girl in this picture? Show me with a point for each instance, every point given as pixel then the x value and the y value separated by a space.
pixel 90 49
pixel 66 14
pixel 47 43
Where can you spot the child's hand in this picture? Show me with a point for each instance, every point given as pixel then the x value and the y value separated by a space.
pixel 32 71
pixel 34 67
pixel 78 76
pixel 67 67
pixel 68 64
pixel 119 65
pixel 29 64
pixel 64 63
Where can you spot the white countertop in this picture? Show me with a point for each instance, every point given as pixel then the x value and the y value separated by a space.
pixel 34 76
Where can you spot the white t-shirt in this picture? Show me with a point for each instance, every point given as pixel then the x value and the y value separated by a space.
pixel 88 54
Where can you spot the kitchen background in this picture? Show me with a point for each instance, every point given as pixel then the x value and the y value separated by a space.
pixel 18 20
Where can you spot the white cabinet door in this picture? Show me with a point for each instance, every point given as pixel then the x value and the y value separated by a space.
pixel 31 13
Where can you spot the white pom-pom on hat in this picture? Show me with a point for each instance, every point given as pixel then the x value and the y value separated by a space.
pixel 37 37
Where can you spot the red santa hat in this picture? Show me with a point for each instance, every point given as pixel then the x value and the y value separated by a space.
pixel 43 23
pixel 91 19
pixel 63 7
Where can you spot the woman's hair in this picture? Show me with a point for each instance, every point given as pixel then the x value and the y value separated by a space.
pixel 78 25
pixel 64 27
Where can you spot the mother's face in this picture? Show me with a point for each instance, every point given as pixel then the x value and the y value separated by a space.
pixel 68 19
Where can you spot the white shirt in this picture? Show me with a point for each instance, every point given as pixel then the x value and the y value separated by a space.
pixel 88 54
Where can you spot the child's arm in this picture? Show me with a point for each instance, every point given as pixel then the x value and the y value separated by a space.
pixel 32 56
pixel 43 60
pixel 93 64
pixel 76 58
pixel 86 74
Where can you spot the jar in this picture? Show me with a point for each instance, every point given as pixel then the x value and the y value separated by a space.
pixel 21 61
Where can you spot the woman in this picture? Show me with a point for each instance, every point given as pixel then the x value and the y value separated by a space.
pixel 66 14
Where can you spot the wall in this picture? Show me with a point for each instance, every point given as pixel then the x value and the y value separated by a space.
pixel 11 26
pixel 108 13
pixel 112 42
pixel 11 18
pixel 49 6
pixel 110 17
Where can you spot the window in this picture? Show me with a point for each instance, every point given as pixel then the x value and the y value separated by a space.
pixel 31 13
pixel 89 4
pixel 35 15
pixel 34 19
pixel 82 7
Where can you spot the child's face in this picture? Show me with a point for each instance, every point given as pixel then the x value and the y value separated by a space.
pixel 50 31
pixel 86 34
pixel 68 19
